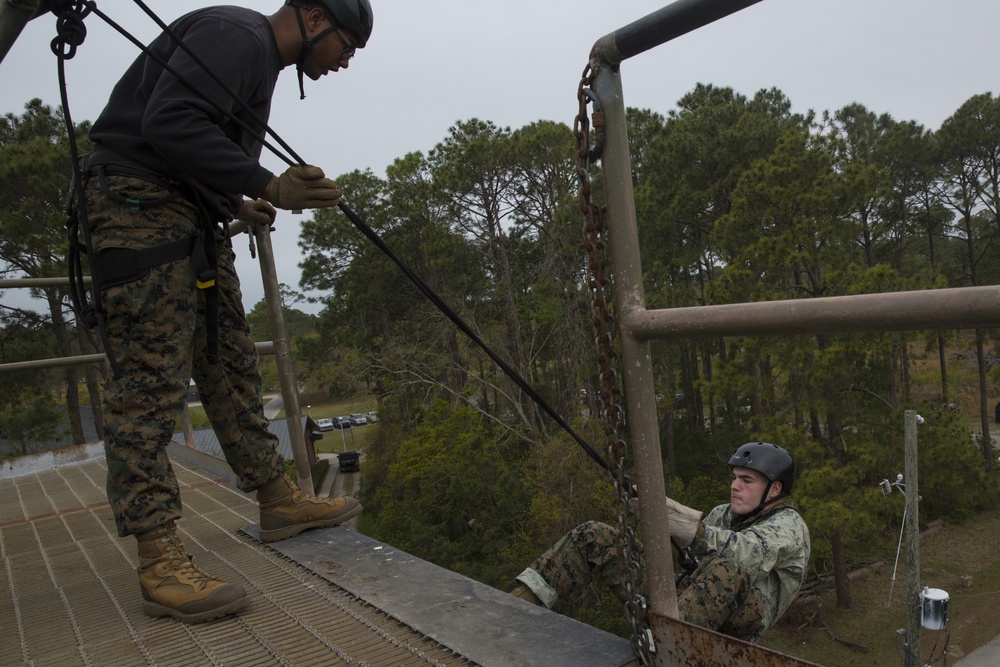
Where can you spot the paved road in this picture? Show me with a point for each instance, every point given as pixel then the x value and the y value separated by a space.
pixel 273 406
pixel 984 656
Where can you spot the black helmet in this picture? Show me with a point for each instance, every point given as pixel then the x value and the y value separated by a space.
pixel 354 15
pixel 769 460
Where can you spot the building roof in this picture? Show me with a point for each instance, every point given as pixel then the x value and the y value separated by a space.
pixel 206 441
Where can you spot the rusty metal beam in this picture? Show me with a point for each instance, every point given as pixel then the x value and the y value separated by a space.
pixel 958 308
pixel 263 348
pixel 663 25
pixel 38 282
pixel 283 355
pixel 686 645
pixel 636 364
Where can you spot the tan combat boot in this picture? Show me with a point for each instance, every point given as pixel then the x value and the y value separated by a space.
pixel 172 585
pixel 285 511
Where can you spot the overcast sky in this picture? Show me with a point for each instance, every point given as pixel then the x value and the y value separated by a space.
pixel 431 63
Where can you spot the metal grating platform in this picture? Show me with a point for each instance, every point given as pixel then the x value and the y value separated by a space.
pixel 69 593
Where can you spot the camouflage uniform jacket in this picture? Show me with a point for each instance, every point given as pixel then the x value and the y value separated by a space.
pixel 772 547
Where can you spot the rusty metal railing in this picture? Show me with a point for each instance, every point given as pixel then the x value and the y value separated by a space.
pixel 280 347
pixel 675 642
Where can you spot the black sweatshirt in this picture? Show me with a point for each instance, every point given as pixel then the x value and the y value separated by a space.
pixel 154 119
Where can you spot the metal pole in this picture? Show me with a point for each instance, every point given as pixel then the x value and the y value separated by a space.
pixel 187 427
pixel 912 541
pixel 283 357
pixel 957 308
pixel 57 362
pixel 82 360
pixel 636 364
pixel 663 25
pixel 39 282
pixel 623 247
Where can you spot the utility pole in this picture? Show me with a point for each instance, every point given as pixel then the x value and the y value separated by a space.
pixel 911 656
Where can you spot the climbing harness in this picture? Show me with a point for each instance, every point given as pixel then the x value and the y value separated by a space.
pixel 687 561
pixel 130 265
pixel 606 337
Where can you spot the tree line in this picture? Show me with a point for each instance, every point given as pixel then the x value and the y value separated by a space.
pixel 738 199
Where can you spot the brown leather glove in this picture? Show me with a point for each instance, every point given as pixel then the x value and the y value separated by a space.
pixel 303 186
pixel 684 522
pixel 256 212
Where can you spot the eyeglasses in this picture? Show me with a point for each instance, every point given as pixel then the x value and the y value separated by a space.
pixel 350 49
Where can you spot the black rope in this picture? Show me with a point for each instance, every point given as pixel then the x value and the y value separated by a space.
pixel 70 34
pixel 76 32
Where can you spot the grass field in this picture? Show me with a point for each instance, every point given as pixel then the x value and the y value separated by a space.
pixel 336 440
pixel 866 634
pixel 333 441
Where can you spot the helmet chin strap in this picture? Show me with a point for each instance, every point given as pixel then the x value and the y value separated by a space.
pixel 306 48
pixel 763 498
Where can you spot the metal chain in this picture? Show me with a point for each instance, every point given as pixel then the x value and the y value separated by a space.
pixel 606 335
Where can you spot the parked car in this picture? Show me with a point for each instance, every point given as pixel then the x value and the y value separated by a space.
pixel 349 461
pixel 359 418
pixel 342 422
pixel 325 424
pixel 372 416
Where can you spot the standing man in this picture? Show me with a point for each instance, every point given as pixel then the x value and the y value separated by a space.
pixel 176 158
pixel 752 553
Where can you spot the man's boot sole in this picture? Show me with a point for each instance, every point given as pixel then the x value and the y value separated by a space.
pixel 278 534
pixel 157 610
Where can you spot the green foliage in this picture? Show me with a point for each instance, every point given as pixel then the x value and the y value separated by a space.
pixel 28 412
pixel 451 495
pixel 702 493
pixel 298 324
pixel 23 426
pixel 35 172
pixel 952 480
pixel 568 489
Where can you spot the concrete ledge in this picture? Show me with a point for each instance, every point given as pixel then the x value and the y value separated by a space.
pixel 207 462
pixel 487 626
pixel 35 463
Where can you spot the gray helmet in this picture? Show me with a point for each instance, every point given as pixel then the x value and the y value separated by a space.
pixel 354 15
pixel 768 459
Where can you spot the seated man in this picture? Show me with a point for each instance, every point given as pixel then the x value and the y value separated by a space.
pixel 753 552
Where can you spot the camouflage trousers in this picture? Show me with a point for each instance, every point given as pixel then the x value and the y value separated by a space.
pixel 156 328
pixel 716 596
